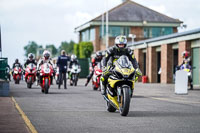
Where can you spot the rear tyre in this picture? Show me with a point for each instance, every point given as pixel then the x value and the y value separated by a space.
pixel 29 85
pixel 125 101
pixel 76 80
pixel 46 86
pixel 94 88
pixel 17 80
pixel 110 108
pixel 76 83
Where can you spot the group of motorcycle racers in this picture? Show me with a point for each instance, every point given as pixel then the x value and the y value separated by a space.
pixel 114 73
pixel 45 70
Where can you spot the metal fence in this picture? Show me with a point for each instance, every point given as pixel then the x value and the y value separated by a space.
pixel 3 68
pixel 84 63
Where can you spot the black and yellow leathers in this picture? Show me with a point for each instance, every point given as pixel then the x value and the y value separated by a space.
pixel 120 85
pixel 113 54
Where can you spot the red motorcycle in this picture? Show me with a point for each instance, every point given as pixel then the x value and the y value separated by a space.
pixel 17 73
pixel 96 77
pixel 46 77
pixel 30 74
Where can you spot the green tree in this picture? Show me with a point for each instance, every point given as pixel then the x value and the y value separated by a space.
pixel 85 49
pixel 53 49
pixel 67 46
pixel 70 47
pixel 31 47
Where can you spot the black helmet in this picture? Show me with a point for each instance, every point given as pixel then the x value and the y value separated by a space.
pixel 30 56
pixel 99 54
pixel 16 61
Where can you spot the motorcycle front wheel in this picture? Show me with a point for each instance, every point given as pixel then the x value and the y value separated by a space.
pixel 29 83
pixel 46 86
pixel 125 101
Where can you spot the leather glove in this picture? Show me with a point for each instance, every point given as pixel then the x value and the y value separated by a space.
pixel 106 70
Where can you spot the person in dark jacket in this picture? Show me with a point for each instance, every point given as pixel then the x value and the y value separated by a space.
pixel 17 64
pixel 30 60
pixel 95 61
pixel 114 53
pixel 62 63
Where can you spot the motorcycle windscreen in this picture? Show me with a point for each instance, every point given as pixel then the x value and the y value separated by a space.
pixel 124 62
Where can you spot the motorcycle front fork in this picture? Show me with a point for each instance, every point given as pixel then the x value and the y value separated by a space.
pixel 119 94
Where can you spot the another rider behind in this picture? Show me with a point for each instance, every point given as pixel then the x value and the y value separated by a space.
pixel 62 64
pixel 74 61
pixel 97 59
pixel 114 53
pixel 45 59
pixel 16 64
pixel 29 60
pixel 186 64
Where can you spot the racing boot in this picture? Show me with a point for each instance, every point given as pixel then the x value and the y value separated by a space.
pixel 87 82
pixel 103 86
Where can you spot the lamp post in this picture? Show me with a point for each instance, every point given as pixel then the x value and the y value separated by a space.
pixel 107 37
pixel 132 36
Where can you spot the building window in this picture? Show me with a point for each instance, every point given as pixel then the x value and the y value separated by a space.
pixel 88 35
pixel 150 32
pixel 115 31
pixel 92 34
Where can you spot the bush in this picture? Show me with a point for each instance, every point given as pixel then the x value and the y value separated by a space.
pixel 76 50
pixel 85 49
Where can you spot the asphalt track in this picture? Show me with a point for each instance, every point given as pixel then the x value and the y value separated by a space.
pixel 154 109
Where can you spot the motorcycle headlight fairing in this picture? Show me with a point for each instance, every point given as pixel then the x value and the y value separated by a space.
pixel 47 70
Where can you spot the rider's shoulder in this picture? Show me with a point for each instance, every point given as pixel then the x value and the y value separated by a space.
pixel 129 51
pixel 110 50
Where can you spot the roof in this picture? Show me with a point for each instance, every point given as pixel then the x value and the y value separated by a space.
pixel 130 11
pixel 166 37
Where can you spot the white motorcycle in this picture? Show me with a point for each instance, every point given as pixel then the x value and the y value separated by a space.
pixel 74 73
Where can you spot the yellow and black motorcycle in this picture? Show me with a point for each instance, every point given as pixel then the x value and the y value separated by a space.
pixel 120 86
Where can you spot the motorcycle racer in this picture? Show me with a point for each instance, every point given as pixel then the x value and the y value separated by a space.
pixel 45 59
pixel 30 60
pixel 95 61
pixel 114 53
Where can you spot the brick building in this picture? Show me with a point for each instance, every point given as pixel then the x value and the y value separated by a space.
pixel 127 18
pixel 165 53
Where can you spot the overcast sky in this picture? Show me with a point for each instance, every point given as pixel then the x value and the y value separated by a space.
pixel 53 21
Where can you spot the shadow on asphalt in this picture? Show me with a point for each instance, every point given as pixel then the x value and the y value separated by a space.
pixel 160 114
pixel 137 96
pixel 73 93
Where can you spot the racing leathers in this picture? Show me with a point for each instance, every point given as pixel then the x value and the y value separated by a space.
pixel 28 61
pixel 112 54
pixel 40 62
pixel 94 62
pixel 17 65
pixel 73 62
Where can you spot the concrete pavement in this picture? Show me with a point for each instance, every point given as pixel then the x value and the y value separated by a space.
pixel 10 119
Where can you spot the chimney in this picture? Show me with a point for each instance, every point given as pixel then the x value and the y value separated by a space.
pixel 124 1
